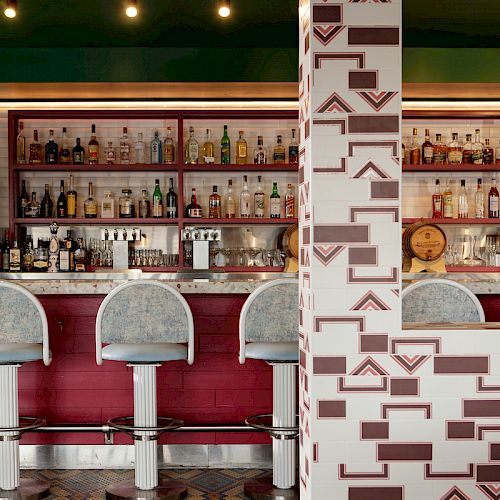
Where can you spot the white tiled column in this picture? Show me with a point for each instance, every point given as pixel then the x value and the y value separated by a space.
pixel 350 110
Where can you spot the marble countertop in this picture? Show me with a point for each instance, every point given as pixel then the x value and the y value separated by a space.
pixel 477 283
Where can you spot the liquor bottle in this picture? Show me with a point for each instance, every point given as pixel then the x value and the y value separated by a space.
pixel 51 150
pixel 293 150
pixel 275 203
pixel 22 200
pixel 124 148
pixel 20 145
pixel 488 153
pixel 467 150
pixel 259 199
pixel 414 149
pixel 144 205
pixel 6 253
pixel 62 203
pixel 241 150
pixel 139 149
pixel 477 149
pixel 71 198
pixel 455 151
pixel 214 205
pixel 192 149
pixel 497 153
pixel 193 210
pixel 53 264
pixel 404 154
pixel 157 200
pixel 90 205
pixel 78 153
pixel 493 200
pixel 427 151
pixel 463 203
pixel 289 203
pixel 439 151
pixel 80 257
pixel 437 202
pixel 225 148
pixel 279 151
pixel 65 154
pixel 93 147
pixel 126 206
pixel 208 149
pixel 107 206
pixel 245 198
pixel 28 257
pixel 156 149
pixel 260 152
pixel 65 252
pixel 15 258
pixel 33 208
pixel 110 154
pixel 448 201
pixel 479 200
pixel 230 204
pixel 35 150
pixel 171 201
pixel 47 205
pixel 168 148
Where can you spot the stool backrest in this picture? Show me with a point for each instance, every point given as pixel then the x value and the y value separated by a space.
pixel 22 318
pixel 440 301
pixel 271 314
pixel 144 312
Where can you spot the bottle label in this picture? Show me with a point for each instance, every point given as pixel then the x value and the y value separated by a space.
pixel 64 260
pixel 259 205
pixel 91 209
pixel 437 205
pixel 195 212
pixel 224 154
pixel 241 152
pixel 107 209
pixel 94 153
pixel 439 157
pixel 428 154
pixel 290 206
pixel 157 209
pixel 71 199
pixel 467 156
pixel 454 156
pixel 448 205
pixel 78 157
pixel 15 259
pixel 494 205
pixel 244 208
pixel 477 156
pixel 415 156
pixel 124 153
pixel 169 153
pixel 260 157
pixel 279 157
pixel 155 152
pixel 488 156
pixel 192 153
pixel 275 207
pixel 171 212
pixel 293 155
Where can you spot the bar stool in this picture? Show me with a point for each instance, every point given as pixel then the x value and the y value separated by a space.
pixel 145 323
pixel 23 337
pixel 269 330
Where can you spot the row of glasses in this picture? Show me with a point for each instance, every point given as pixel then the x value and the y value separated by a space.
pixel 466 252
pixel 101 253
pixel 151 258
pixel 246 257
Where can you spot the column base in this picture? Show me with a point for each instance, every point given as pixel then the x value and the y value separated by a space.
pixel 263 489
pixel 28 489
pixel 166 490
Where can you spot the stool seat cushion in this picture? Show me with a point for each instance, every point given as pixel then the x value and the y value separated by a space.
pixel 145 352
pixel 20 352
pixel 273 351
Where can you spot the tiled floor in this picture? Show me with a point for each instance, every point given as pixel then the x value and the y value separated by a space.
pixel 206 484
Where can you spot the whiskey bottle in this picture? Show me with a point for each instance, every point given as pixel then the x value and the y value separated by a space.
pixel 477 149
pixel 275 203
pixel 225 148
pixel 245 198
pixel 47 205
pixel 448 201
pixel 51 150
pixel 171 212
pixel 15 258
pixel 208 149
pixel 455 153
pixel 157 200
pixel 90 205
pixel 33 208
pixel 479 201
pixel 139 148
pixel 124 148
pixel 214 204
pixel 439 151
pixel 62 203
pixel 144 205
pixel 28 257
pixel 279 151
pixel 260 152
pixel 293 150
pixel 427 150
pixel 463 203
pixel 78 153
pixel 126 206
pixel 65 252
pixel 80 257
pixel 93 147
pixel 22 200
pixel 493 200
pixel 156 150
pixel 169 148
pixel 467 150
pixel 35 150
pixel 259 199
pixel 437 202
pixel 20 145
pixel 193 210
pixel 71 198
pixel 488 153
pixel 289 203
pixel 65 155
pixel 415 149
pixel 241 150
pixel 230 204
pixel 192 149
pixel 109 154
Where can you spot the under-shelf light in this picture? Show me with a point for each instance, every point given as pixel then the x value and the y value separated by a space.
pixel 131 9
pixel 10 10
pixel 224 8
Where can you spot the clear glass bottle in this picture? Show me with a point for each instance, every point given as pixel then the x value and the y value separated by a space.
pixel 107 206
pixel 51 150
pixel 169 148
pixel 427 150
pixel 437 202
pixel 192 149
pixel 225 148
pixel 35 150
pixel 93 147
pixel 230 204
pixel 71 199
pixel 20 145
pixel 90 205
pixel 171 211
pixel 415 149
pixel 260 152
pixel 126 205
pixel 78 153
pixel 439 151
pixel 144 205
pixel 477 149
pixel 259 199
pixel 157 200
pixel 214 205
pixel 62 203
pixel 33 208
pixel 110 154
pixel 493 198
pixel 241 150
pixel 208 148
pixel 289 202
pixel 139 148
pixel 448 201
pixel 293 150
pixel 479 200
pixel 65 155
pixel 124 148
pixel 279 151
pixel 488 153
pixel 245 199
pixel 275 203
pixel 47 205
pixel 467 149
pixel 156 149
pixel 22 200
pixel 455 150
pixel 193 210
pixel 80 257
pixel 463 202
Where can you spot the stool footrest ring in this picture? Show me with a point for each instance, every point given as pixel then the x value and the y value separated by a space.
pixel 24 426
pixel 261 423
pixel 121 424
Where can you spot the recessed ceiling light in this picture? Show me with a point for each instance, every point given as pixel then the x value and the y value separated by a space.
pixel 224 8
pixel 10 8
pixel 131 9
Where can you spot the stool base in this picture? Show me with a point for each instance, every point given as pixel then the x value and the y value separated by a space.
pixel 166 490
pixel 28 489
pixel 263 489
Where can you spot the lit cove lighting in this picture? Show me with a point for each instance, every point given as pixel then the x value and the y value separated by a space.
pixel 10 9
pixel 225 8
pixel 131 9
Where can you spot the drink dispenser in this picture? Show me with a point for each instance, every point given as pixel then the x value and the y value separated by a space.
pixel 200 238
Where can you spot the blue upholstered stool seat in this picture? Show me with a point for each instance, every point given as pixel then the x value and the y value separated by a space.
pixel 145 352
pixel 20 352
pixel 273 351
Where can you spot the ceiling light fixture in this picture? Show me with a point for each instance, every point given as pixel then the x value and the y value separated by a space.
pixel 131 9
pixel 10 8
pixel 224 8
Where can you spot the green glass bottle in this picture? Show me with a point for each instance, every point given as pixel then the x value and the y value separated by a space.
pixel 225 148
pixel 157 200
pixel 275 203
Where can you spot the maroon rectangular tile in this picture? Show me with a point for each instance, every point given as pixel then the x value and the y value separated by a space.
pixel 327 14
pixel 341 233
pixel 363 256
pixel 383 35
pixel 375 493
pixel 461 430
pixel 331 408
pixel 407 386
pixel 477 408
pixel 374 430
pixel 494 451
pixel 385 190
pixel 488 473
pixel 306 235
pixel 329 365
pixel 373 124
pixel 409 452
pixel 461 364
pixel 374 342
pixel 363 80
pixel 302 359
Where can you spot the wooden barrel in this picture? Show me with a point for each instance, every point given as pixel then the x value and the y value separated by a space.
pixel 424 241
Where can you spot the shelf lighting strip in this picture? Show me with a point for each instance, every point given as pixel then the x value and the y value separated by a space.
pixel 451 105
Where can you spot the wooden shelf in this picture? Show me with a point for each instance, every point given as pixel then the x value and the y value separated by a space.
pixel 136 167
pixel 252 220
pixel 412 220
pixel 472 269
pixel 251 167
pixel 462 167
pixel 28 221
